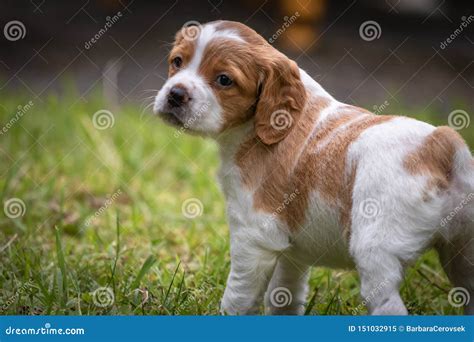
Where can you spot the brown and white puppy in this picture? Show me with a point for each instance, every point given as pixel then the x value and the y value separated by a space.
pixel 310 181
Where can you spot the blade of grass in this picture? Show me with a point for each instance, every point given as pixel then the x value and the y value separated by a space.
pixel 149 262
pixel 328 307
pixel 178 295
pixel 62 267
pixel 311 302
pixel 171 284
pixel 117 254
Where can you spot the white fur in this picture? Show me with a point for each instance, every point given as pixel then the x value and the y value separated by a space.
pixel 267 260
pixel 264 252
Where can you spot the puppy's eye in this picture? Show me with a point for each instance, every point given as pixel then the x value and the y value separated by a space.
pixel 177 62
pixel 224 80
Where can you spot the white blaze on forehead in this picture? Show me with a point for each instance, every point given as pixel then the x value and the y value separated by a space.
pixel 207 34
pixel 204 111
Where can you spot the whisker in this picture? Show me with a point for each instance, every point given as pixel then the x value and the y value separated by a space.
pixel 145 109
pixel 148 98
pixel 164 43
pixel 145 106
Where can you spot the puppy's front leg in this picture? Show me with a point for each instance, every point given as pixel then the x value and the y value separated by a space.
pixel 251 269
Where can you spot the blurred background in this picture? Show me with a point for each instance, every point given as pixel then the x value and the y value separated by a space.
pixel 108 211
pixel 404 56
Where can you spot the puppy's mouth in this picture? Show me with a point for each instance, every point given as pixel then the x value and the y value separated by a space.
pixel 171 118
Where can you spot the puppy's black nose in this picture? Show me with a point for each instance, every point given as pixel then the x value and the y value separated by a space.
pixel 177 96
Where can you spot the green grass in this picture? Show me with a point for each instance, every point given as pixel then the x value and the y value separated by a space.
pixel 139 246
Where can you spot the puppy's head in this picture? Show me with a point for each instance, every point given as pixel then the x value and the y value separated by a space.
pixel 223 74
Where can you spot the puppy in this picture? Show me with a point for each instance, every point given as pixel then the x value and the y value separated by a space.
pixel 310 181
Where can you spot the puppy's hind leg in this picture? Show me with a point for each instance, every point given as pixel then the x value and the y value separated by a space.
pixel 380 276
pixel 380 272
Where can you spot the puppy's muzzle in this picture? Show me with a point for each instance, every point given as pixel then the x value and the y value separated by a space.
pixel 178 96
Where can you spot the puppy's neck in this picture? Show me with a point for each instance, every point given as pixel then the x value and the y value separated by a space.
pixel 230 141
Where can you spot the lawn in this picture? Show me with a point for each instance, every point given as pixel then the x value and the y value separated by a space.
pixel 130 220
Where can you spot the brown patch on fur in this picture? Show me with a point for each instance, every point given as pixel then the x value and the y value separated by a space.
pixel 277 159
pixel 435 158
pixel 262 73
pixel 302 163
pixel 236 60
pixel 183 48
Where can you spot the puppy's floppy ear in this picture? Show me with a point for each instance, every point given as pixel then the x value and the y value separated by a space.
pixel 281 101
